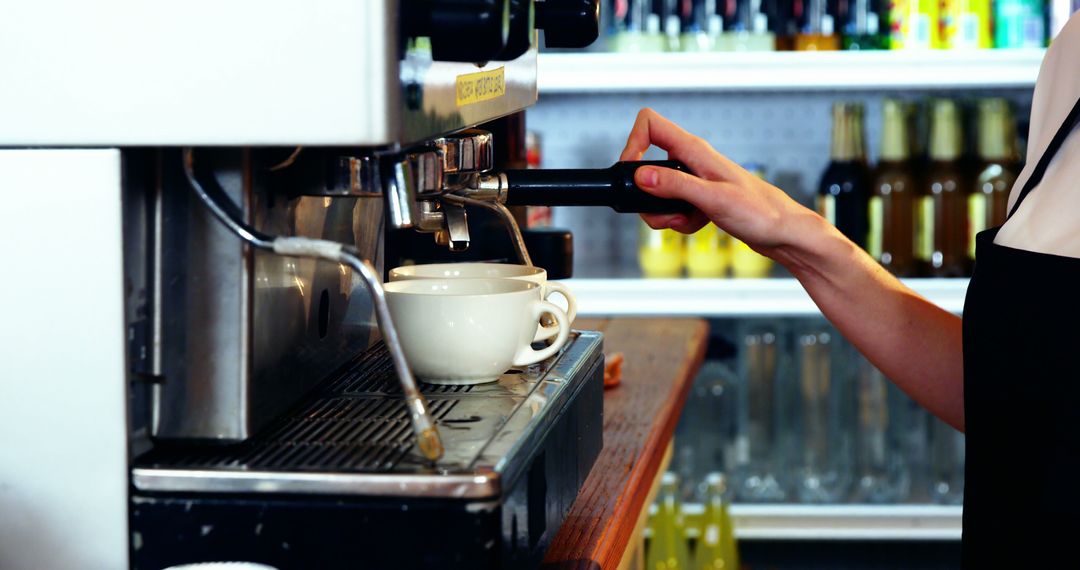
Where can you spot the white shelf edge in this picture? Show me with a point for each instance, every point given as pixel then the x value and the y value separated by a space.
pixel 726 297
pixel 743 71
pixel 843 522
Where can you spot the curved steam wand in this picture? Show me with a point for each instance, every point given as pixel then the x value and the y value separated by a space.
pixel 427 436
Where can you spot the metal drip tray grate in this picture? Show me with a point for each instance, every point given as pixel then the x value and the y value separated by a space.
pixel 356 423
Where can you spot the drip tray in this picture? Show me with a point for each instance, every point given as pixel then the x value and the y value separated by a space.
pixel 353 436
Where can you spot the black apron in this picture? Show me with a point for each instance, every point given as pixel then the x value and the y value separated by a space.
pixel 1022 401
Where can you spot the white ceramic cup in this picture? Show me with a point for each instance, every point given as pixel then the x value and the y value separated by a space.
pixel 470 270
pixel 470 331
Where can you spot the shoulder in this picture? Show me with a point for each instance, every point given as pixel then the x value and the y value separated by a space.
pixel 1057 88
pixel 1046 222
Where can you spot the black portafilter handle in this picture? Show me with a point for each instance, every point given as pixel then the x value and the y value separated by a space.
pixel 613 187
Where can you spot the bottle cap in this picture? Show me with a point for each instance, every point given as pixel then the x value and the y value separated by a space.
pixel 715 25
pixel 761 23
pixel 827 25
pixel 873 24
pixel 652 24
pixel 672 25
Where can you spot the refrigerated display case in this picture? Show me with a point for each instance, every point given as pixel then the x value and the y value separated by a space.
pixel 823 455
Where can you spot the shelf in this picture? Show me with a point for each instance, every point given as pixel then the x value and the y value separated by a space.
pixel 835 522
pixel 726 297
pixel 745 71
pixel 847 522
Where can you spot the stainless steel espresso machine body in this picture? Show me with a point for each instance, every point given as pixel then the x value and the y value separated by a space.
pixel 221 389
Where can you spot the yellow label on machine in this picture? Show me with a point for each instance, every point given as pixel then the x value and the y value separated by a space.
pixel 480 86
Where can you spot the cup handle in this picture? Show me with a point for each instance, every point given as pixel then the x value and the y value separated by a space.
pixel 526 355
pixel 548 331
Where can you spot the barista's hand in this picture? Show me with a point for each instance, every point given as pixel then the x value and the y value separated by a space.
pixel 738 202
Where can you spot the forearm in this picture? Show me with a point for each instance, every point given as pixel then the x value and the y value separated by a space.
pixel 918 345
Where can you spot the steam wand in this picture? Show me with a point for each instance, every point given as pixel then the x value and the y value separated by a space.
pixel 427 435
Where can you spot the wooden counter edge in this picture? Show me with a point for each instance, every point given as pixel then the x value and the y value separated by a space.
pixel 613 541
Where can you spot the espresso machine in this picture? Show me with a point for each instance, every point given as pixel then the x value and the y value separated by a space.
pixel 198 364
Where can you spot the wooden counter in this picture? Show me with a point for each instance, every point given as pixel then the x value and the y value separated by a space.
pixel 662 358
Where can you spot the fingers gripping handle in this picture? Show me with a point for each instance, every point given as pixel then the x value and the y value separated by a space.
pixel 526 355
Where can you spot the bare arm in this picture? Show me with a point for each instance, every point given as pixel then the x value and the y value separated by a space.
pixel 912 341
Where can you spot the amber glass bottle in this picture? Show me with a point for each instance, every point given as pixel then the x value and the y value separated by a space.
pixel 891 237
pixel 989 199
pixel 941 213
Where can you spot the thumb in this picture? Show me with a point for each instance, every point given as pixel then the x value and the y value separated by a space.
pixel 670 183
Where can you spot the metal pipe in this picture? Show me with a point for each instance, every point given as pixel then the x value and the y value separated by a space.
pixel 427 435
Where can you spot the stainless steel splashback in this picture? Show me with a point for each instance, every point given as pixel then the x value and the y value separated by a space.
pixel 236 336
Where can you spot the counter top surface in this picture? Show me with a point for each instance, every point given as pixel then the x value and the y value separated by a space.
pixel 662 357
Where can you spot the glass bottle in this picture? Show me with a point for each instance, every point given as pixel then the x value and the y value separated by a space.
pixel 946 463
pixel 716 548
pixel 823 417
pixel 705 434
pixel 1019 24
pixel 661 253
pixel 759 449
pixel 862 30
pixel 965 24
pixel 782 22
pixel 892 205
pixel 881 452
pixel 750 28
pixel 914 24
pixel 708 254
pixel 989 201
pixel 641 32
pixel 818 31
pixel 747 263
pixel 843 192
pixel 668 549
pixel 941 211
pixel 703 28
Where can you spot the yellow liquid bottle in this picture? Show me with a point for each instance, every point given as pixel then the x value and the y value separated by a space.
pixel 708 254
pixel 661 253
pixel 668 549
pixel 716 548
pixel 747 263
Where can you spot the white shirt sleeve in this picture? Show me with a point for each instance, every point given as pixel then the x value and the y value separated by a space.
pixel 1048 220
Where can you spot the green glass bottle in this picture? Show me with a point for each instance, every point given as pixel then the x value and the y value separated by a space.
pixel 716 549
pixel 989 199
pixel 668 549
pixel 863 30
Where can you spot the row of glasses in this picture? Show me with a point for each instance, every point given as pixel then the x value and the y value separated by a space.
pixel 794 414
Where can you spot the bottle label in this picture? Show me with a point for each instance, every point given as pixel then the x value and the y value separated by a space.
pixel 924 229
pixel 874 237
pixel 976 219
pixel 826 206
pixel 898 23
